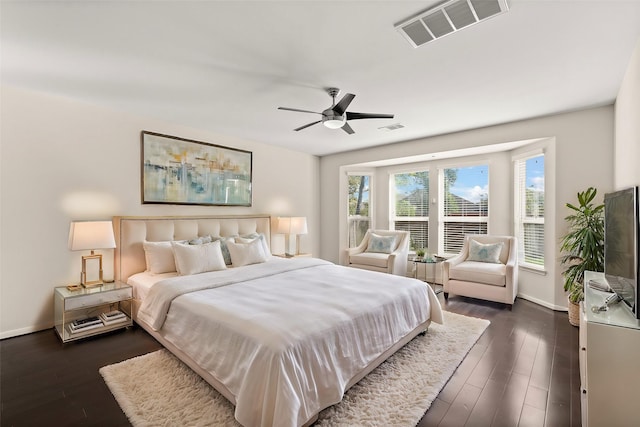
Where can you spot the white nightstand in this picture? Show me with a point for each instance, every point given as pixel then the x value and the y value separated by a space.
pixel 87 302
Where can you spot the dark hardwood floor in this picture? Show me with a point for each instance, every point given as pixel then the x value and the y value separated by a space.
pixel 522 372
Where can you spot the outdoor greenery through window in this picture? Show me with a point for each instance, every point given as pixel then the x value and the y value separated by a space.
pixel 359 208
pixel 411 213
pixel 464 205
pixel 529 209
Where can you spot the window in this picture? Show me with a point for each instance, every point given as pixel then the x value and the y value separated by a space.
pixel 359 208
pixel 410 193
pixel 529 210
pixel 464 206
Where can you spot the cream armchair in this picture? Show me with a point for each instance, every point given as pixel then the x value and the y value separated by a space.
pixel 493 281
pixel 367 257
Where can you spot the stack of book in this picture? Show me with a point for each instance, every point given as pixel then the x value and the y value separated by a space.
pixel 113 317
pixel 86 324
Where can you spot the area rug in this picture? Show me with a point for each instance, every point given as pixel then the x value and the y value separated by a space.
pixel 157 389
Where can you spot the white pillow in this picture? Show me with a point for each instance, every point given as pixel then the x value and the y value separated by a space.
pixel 253 236
pixel 159 257
pixel 485 252
pixel 246 253
pixel 194 259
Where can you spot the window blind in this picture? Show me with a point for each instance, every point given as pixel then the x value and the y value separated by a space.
pixel 359 202
pixel 529 210
pixel 465 207
pixel 410 192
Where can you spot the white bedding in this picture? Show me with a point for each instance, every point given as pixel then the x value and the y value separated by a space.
pixel 142 282
pixel 286 336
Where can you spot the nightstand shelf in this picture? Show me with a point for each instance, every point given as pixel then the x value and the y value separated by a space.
pixel 86 302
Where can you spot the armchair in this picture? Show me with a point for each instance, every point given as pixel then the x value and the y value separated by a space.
pixel 365 256
pixel 494 281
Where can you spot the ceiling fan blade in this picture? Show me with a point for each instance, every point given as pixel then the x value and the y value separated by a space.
pixel 347 128
pixel 298 110
pixel 307 125
pixel 341 106
pixel 356 116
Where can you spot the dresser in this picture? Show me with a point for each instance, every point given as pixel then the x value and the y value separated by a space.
pixel 609 361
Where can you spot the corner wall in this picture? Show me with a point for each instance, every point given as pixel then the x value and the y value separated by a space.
pixel 63 160
pixel 583 157
pixel 627 126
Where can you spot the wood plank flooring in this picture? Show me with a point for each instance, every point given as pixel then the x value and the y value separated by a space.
pixel 522 372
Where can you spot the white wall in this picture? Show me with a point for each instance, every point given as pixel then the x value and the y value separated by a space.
pixel 627 126
pixel 63 160
pixel 582 156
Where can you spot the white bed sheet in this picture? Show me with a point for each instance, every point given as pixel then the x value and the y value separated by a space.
pixel 142 282
pixel 287 344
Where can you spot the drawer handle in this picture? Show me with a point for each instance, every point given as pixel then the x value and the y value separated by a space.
pixel 584 349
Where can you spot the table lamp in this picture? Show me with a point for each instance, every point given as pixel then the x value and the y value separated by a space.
pixel 295 225
pixel 91 235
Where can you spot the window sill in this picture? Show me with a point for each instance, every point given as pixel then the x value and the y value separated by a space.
pixel 533 269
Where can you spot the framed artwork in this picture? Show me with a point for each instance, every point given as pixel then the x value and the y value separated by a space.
pixel 181 171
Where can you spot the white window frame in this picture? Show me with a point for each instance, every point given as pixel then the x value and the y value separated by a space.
pixel 519 207
pixel 393 218
pixel 442 219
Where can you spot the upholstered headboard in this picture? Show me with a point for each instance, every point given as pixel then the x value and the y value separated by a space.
pixel 130 232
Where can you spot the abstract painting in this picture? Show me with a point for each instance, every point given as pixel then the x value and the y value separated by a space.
pixel 181 171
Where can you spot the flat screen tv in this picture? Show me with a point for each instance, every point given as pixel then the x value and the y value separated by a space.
pixel 622 245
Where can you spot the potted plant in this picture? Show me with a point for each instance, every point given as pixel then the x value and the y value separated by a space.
pixel 420 253
pixel 582 248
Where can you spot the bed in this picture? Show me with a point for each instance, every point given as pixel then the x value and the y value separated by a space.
pixel 280 338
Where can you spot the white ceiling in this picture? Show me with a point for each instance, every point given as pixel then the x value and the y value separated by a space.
pixel 225 66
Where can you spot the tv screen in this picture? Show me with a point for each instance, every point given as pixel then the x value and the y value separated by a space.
pixel 621 245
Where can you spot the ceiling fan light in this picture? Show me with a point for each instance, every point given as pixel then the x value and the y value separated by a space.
pixel 333 124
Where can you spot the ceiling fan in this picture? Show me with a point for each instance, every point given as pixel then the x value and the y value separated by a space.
pixel 336 116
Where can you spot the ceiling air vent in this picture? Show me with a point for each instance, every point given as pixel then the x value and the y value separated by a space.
pixel 448 18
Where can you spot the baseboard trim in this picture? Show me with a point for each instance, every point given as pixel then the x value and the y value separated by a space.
pixel 24 331
pixel 543 303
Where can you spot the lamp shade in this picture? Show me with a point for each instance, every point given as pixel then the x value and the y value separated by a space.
pixel 90 235
pixel 292 225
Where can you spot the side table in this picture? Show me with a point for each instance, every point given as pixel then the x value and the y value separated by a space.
pixel 70 305
pixel 429 270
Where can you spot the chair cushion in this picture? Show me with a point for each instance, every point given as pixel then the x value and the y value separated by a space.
pixel 480 272
pixel 381 244
pixel 484 252
pixel 370 258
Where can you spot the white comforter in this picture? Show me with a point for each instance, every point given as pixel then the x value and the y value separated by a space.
pixel 285 337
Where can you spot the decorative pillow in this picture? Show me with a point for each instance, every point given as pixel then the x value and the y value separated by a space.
pixel 381 244
pixel 159 257
pixel 223 247
pixel 248 238
pixel 246 253
pixel 489 252
pixel 200 240
pixel 194 259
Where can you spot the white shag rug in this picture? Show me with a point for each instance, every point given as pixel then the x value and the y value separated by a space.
pixel 157 389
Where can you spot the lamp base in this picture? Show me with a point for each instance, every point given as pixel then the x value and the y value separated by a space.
pixel 97 278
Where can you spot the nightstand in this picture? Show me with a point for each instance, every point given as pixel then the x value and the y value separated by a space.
pixel 293 256
pixel 88 302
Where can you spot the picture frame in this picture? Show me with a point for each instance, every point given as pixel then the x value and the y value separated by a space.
pixel 180 171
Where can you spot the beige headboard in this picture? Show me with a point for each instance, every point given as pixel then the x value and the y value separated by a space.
pixel 130 232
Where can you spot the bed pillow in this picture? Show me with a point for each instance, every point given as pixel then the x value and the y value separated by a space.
pixel 194 259
pixel 200 240
pixel 246 253
pixel 159 257
pixel 381 244
pixel 248 238
pixel 489 252
pixel 223 247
